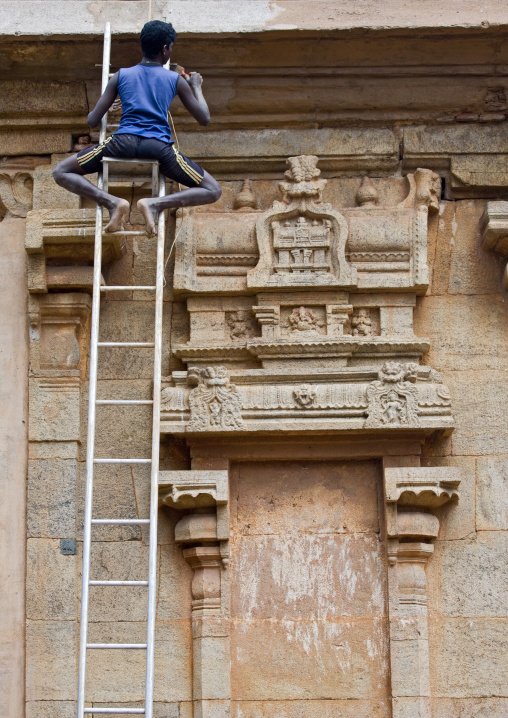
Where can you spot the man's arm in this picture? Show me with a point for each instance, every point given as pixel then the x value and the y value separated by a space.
pixel 105 102
pixel 194 102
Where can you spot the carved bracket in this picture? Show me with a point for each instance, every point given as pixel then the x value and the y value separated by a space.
pixel 59 245
pixel 494 228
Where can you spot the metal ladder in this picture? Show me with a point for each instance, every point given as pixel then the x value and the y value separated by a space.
pixel 158 187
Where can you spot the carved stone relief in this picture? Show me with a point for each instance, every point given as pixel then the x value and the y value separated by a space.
pixel 301 239
pixel 494 227
pixel 214 402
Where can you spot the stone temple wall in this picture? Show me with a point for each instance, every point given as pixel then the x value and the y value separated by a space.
pixel 334 457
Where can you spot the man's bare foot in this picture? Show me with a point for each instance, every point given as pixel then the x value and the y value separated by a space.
pixel 150 215
pixel 117 216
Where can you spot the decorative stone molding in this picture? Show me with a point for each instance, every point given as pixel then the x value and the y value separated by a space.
pixel 347 399
pixel 59 245
pixel 494 228
pixel 410 494
pixel 304 242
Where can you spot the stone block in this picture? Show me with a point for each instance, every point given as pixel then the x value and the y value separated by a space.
pixel 54 409
pixel 212 709
pixel 114 497
pixel 484 561
pixel 49 195
pixel 50 709
pixel 51 660
pixel 118 561
pixel 174 589
pixel 51 498
pixel 295 660
pixel 406 707
pixel 479 400
pixel 463 662
pixel 41 141
pixel 409 660
pixel 469 707
pixel 311 709
pixel 465 331
pixel 50 581
pixel 276 498
pixel 304 577
pixel 492 493
pixel 123 679
pixel 211 660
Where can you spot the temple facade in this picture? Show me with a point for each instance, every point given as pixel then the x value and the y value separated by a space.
pixel 333 485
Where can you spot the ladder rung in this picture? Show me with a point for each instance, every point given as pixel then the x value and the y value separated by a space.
pixel 118 583
pixel 122 461
pixel 131 160
pixel 118 646
pixel 125 344
pixel 119 522
pixel 123 402
pixel 121 288
pixel 137 711
pixel 124 232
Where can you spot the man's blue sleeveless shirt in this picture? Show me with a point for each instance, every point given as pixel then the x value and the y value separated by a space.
pixel 146 92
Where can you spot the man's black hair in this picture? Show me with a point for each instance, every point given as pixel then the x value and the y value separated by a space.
pixel 154 35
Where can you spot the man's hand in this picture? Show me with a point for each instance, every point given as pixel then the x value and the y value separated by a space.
pixel 195 80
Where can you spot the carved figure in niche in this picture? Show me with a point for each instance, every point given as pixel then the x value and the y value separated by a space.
pixel 302 319
pixel 361 323
pixel 304 396
pixel 393 408
pixel 393 398
pixel 214 403
pixel 242 325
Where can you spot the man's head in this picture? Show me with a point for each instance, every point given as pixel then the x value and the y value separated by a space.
pixel 156 35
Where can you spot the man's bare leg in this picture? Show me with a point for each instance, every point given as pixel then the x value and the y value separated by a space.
pixel 69 174
pixel 208 192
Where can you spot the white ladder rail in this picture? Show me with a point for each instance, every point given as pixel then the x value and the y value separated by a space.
pixel 158 188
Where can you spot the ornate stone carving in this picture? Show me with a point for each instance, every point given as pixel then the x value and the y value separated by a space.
pixel 245 200
pixel 305 396
pixel 367 195
pixel 339 398
pixel 301 240
pixel 393 398
pixel 214 402
pixel 16 194
pixel 361 323
pixel 428 487
pixel 303 322
pixel 242 325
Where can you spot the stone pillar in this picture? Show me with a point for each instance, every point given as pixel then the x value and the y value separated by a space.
pixel 411 493
pixel 205 533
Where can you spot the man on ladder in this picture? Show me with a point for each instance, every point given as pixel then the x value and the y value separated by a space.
pixel 146 91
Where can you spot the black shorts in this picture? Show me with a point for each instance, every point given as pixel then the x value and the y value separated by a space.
pixel 173 165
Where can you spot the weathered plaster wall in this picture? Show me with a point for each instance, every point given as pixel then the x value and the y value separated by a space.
pixel 13 458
